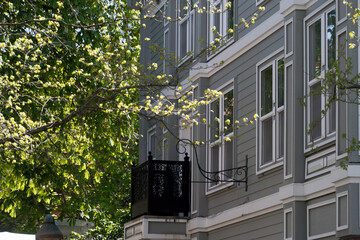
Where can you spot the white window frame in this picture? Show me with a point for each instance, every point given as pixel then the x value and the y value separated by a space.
pixel 150 132
pixel 226 88
pixel 165 145
pixel 166 13
pixel 339 21
pixel 274 113
pixel 286 211
pixel 312 206
pixel 340 195
pixel 288 22
pixel 223 31
pixel 189 18
pixel 324 121
pixel 341 156
pixel 287 65
pixel 166 50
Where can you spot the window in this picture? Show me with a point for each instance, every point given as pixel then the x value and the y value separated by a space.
pixel 221 142
pixel 271 100
pixel 221 18
pixel 165 149
pixel 342 126
pixel 321 50
pixel 167 58
pixel 185 29
pixel 151 140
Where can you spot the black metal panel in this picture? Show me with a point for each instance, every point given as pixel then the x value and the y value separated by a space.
pixel 161 188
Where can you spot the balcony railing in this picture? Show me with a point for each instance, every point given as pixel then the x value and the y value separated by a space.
pixel 160 187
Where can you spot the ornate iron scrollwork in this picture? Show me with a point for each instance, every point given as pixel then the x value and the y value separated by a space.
pixel 237 174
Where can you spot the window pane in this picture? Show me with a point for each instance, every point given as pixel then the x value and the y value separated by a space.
pixel 315 111
pixel 332 110
pixel 228 155
pixel 266 91
pixel 230 17
pixel 280 82
pixel 152 144
pixel 266 143
pixel 342 126
pixel 341 10
pixel 165 149
pixel 331 37
pixel 216 17
pixel 341 142
pixel 183 39
pixel 289 38
pixel 288 218
pixel 214 163
pixel 214 121
pixel 315 49
pixel 281 135
pixel 228 112
pixel 166 51
pixel 183 4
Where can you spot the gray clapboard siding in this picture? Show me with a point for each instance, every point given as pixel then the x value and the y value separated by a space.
pixel 269 182
pixel 247 8
pixel 266 227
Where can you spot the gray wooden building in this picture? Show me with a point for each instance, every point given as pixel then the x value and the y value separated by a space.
pixel 290 183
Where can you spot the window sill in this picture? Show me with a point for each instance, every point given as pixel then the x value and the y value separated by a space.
pixel 184 59
pixel 217 188
pixel 269 166
pixel 219 50
pixel 319 145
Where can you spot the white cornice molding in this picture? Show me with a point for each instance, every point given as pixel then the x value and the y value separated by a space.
pixel 238 48
pixel 251 39
pixel 288 6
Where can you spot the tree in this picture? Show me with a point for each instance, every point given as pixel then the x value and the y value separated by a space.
pixel 67 123
pixel 69 104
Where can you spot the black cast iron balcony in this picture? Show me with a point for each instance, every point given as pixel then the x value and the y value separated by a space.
pixel 161 188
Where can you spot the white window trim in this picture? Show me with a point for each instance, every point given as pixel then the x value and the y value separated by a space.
pixel 151 131
pixel 166 31
pixel 312 206
pixel 325 136
pixel 193 167
pixel 286 211
pixel 290 21
pixel 337 103
pixel 288 64
pixel 163 146
pixel 258 2
pixel 223 25
pixel 339 195
pixel 275 162
pixel 340 21
pixel 189 16
pixel 229 86
pixel 165 7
